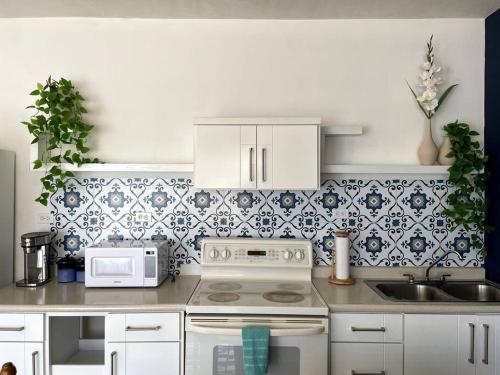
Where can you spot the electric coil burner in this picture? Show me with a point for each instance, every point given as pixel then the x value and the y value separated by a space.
pixel 281 296
pixel 223 297
pixel 256 282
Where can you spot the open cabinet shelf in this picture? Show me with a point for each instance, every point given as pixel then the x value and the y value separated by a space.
pixel 76 345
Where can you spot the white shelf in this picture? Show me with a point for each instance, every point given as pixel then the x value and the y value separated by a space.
pixel 371 169
pixel 341 130
pixel 85 357
pixel 394 169
pixel 139 168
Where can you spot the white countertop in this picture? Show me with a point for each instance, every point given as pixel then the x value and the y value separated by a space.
pixel 55 297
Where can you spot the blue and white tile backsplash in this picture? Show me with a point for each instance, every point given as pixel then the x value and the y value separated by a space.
pixel 392 222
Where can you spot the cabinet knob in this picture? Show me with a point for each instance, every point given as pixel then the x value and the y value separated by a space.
pixel 8 369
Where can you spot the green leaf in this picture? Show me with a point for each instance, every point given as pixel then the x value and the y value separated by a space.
pixel 37 164
pixel 444 96
pixel 42 201
pixel 419 104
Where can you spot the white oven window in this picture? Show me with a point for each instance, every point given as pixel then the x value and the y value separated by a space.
pixel 283 360
pixel 113 266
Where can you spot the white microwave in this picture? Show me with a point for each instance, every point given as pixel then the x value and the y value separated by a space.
pixel 126 263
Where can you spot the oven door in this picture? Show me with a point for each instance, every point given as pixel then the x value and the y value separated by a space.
pixel 298 346
pixel 114 267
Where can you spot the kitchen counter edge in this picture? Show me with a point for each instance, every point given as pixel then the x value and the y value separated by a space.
pixel 359 298
pixel 55 297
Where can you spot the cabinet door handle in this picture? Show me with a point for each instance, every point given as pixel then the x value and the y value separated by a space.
pixel 354 372
pixel 113 359
pixel 34 355
pixel 362 329
pixel 155 328
pixel 11 329
pixel 250 166
pixel 264 172
pixel 472 343
pixel 486 343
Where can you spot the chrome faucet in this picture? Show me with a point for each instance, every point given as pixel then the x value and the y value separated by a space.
pixel 428 270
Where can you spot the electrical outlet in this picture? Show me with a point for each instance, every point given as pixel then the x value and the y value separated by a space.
pixel 142 217
pixel 340 213
pixel 44 218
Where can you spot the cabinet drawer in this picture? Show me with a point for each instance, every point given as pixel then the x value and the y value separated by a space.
pixel 366 358
pixel 21 327
pixel 367 328
pixel 143 327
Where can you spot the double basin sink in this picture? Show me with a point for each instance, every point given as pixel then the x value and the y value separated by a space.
pixel 447 291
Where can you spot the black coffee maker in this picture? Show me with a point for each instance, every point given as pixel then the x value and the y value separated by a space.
pixel 36 247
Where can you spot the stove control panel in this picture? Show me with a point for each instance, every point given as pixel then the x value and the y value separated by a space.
pixel 258 252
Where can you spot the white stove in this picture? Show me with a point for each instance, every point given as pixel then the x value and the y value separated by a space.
pixel 256 276
pixel 257 282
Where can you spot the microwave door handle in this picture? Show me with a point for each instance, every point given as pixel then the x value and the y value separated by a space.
pixel 275 332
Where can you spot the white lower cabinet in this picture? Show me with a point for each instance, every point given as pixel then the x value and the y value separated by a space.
pixel 366 358
pixel 21 342
pixel 152 358
pixel 27 357
pixel 144 344
pixel 478 345
pixel 363 344
pixel 451 344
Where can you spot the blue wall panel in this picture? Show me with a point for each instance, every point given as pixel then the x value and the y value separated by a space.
pixel 492 142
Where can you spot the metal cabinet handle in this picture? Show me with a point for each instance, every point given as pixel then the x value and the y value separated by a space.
pixel 264 172
pixel 486 343
pixel 11 329
pixel 251 165
pixel 354 372
pixel 33 361
pixel 472 343
pixel 113 359
pixel 129 328
pixel 361 329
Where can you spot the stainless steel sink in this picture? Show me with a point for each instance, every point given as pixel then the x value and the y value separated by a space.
pixel 404 291
pixel 449 291
pixel 476 292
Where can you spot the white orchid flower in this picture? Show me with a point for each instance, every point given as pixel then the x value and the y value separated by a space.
pixel 428 84
pixel 430 105
pixel 427 95
pixel 425 75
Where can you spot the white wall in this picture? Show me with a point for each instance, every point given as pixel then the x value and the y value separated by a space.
pixel 146 79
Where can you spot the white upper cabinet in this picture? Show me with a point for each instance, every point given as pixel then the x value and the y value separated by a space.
pixel 257 153
pixel 217 156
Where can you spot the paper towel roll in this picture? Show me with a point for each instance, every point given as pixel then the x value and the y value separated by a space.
pixel 342 255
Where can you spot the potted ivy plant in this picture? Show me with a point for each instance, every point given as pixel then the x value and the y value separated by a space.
pixel 467 202
pixel 58 127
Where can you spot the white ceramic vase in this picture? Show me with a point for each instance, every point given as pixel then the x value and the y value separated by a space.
pixel 427 151
pixel 445 150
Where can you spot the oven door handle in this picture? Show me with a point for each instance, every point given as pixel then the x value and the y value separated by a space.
pixel 275 332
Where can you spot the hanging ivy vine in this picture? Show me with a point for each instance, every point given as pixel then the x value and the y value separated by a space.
pixel 467 202
pixel 57 125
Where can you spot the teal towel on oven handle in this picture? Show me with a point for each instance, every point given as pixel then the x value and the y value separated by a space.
pixel 255 350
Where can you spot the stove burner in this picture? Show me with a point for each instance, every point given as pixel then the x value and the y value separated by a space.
pixel 225 286
pixel 223 297
pixel 283 296
pixel 290 286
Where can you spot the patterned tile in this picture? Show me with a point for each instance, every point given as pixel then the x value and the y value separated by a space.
pixel 392 222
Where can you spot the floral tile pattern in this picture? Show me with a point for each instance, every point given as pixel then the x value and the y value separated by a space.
pixel 391 222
